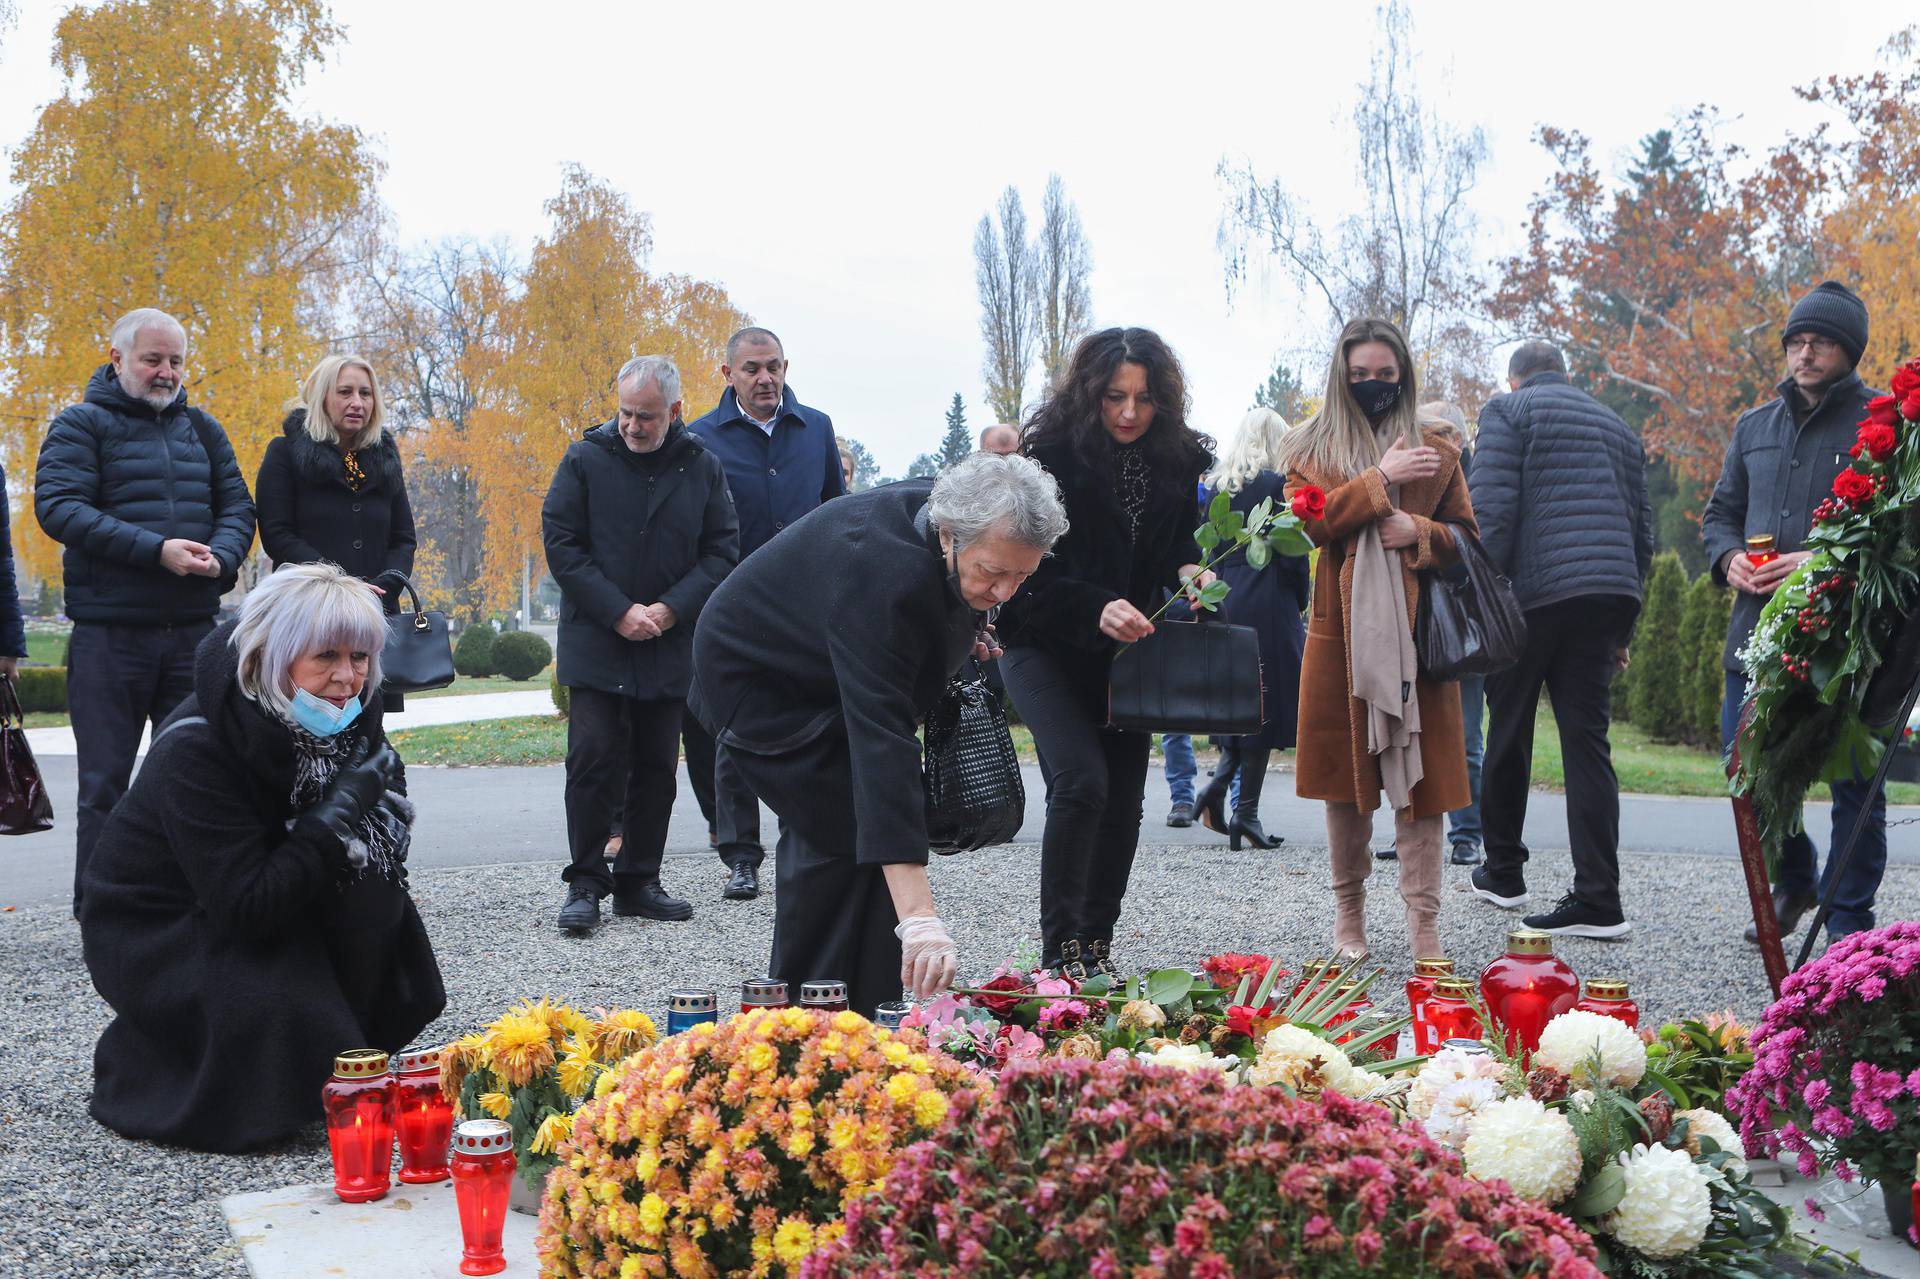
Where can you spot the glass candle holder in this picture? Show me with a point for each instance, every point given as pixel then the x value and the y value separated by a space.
pixel 828 995
pixel 892 1013
pixel 483 1167
pixel 422 1116
pixel 1419 990
pixel 358 1103
pixel 1316 974
pixel 763 992
pixel 1450 1012
pixel 688 1008
pixel 1761 549
pixel 1528 987
pixel 1609 997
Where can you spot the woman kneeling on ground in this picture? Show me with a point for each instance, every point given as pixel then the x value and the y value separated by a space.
pixel 246 911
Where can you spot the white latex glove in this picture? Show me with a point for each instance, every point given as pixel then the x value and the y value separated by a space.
pixel 928 957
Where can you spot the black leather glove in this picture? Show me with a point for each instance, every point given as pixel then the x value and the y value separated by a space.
pixel 358 788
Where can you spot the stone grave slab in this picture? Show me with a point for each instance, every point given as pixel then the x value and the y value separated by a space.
pixel 304 1232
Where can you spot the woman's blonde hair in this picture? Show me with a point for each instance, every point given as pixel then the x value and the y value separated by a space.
pixel 301 609
pixel 1339 442
pixel 1446 415
pixel 1255 448
pixel 313 398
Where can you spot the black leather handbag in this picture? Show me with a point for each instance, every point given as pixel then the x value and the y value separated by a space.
pixel 419 651
pixel 1188 677
pixel 975 797
pixel 24 805
pixel 1470 623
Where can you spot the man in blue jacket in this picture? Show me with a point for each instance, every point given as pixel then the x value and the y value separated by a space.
pixel 146 496
pixel 781 462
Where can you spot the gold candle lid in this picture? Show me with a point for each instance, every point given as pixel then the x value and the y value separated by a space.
pixel 1529 941
pixel 1433 968
pixel 1607 988
pixel 1760 542
pixel 1456 987
pixel 360 1063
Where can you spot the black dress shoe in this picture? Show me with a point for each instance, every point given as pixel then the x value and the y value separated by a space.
pixel 1790 908
pixel 581 914
pixel 1466 854
pixel 744 884
pixel 648 900
pixel 1180 815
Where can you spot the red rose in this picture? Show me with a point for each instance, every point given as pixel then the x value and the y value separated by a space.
pixel 1910 407
pixel 1906 379
pixel 1240 1020
pixel 1309 503
pixel 1853 488
pixel 1876 440
pixel 1883 408
pixel 1001 1005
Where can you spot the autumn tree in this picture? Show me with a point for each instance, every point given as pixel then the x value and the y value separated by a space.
pixel 1064 260
pixel 866 468
pixel 1006 276
pixel 172 171
pixel 957 444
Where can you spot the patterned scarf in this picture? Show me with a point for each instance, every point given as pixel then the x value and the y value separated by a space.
pixel 1131 482
pixel 379 848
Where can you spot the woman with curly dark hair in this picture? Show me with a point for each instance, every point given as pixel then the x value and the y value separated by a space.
pixel 1113 431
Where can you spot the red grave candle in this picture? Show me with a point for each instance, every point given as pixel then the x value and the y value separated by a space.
pixel 1528 987
pixel 1419 990
pixel 1315 975
pixel 358 1102
pixel 422 1116
pixel 1450 1012
pixel 483 1166
pixel 1608 996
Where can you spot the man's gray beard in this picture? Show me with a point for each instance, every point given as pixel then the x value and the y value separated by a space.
pixel 155 400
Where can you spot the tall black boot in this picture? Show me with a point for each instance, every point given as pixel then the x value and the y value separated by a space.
pixel 1210 805
pixel 1246 810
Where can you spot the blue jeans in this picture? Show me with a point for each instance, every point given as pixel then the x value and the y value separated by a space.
pixel 1177 749
pixel 1463 824
pixel 1853 902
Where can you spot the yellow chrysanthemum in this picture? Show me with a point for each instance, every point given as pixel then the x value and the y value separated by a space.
pixel 796 1019
pixel 577 1070
pixel 761 1057
pixel 929 1108
pixel 902 1088
pixel 793 1241
pixel 497 1104
pixel 457 1061
pixel 849 1023
pixel 842 1132
pixel 895 1053
pixel 800 1144
pixel 554 1129
pixel 519 1046
pixel 604 1085
pixel 853 1165
pixel 646 1164
pixel 632 1267
pixel 622 1033
pixel 653 1213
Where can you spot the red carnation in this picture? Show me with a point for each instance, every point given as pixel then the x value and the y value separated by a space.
pixel 1853 488
pixel 1906 379
pixel 1883 408
pixel 1001 1005
pixel 1876 440
pixel 1309 503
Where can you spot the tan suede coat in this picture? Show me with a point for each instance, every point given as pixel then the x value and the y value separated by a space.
pixel 1332 761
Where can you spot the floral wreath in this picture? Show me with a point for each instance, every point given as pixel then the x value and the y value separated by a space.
pixel 1829 626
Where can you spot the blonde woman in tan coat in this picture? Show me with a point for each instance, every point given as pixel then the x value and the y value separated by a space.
pixel 1372 729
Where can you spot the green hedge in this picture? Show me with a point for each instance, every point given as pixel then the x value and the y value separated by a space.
pixel 562 697
pixel 473 655
pixel 41 688
pixel 521 655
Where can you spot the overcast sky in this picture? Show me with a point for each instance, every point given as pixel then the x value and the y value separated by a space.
pixel 828 163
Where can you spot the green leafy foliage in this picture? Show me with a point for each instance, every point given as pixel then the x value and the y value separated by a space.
pixel 473 655
pixel 521 655
pixel 1659 667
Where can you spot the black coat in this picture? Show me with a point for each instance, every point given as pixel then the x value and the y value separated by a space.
pixel 844 622
pixel 1099 561
pixel 13 630
pixel 1271 601
pixel 116 479
pixel 625 528
pixel 1774 474
pixel 308 514
pixel 1559 487
pixel 207 924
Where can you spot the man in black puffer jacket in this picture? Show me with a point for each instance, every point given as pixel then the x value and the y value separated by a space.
pixel 145 494
pixel 1560 489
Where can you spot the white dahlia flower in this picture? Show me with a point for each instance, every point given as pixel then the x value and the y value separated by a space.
pixel 1452 1115
pixel 1571 1039
pixel 1193 1057
pixel 1448 1066
pixel 1711 1123
pixel 1289 1055
pixel 1532 1149
pixel 1666 1209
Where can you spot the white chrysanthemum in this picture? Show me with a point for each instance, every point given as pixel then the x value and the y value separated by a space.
pixel 1580 1099
pixel 1711 1123
pixel 1666 1208
pixel 1571 1039
pixel 1288 1051
pixel 1193 1057
pixel 1522 1143
pixel 1451 1118
pixel 1448 1066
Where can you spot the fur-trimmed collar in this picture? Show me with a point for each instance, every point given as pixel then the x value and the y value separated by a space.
pixel 319 462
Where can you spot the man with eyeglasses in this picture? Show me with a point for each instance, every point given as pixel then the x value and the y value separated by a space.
pixel 1781 464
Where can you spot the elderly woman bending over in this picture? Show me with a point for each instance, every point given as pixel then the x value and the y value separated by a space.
pixel 873 602
pixel 246 910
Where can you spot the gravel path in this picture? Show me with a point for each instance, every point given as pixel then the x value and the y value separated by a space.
pixel 83 1201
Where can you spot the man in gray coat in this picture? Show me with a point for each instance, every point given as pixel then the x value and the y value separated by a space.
pixel 1559 487
pixel 1781 464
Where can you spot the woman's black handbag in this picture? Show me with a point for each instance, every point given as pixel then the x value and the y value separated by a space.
pixel 419 651
pixel 1470 623
pixel 1188 677
pixel 24 806
pixel 975 797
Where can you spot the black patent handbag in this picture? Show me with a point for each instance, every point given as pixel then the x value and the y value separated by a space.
pixel 419 652
pixel 1470 623
pixel 1188 677
pixel 975 797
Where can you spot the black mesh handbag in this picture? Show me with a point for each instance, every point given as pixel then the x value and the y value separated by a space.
pixel 975 797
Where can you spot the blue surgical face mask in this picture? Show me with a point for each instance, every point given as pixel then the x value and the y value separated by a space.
pixel 321 717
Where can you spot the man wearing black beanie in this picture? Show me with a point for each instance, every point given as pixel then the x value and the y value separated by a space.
pixel 1780 465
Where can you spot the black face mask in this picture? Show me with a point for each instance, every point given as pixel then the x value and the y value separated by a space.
pixel 1375 398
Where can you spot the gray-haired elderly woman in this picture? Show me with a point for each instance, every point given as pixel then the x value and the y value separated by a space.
pixel 815 661
pixel 246 911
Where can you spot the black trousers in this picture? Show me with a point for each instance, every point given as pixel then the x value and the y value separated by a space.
pixel 1096 778
pixel 620 751
pixel 833 917
pixel 1570 652
pixel 119 679
pixel 731 807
